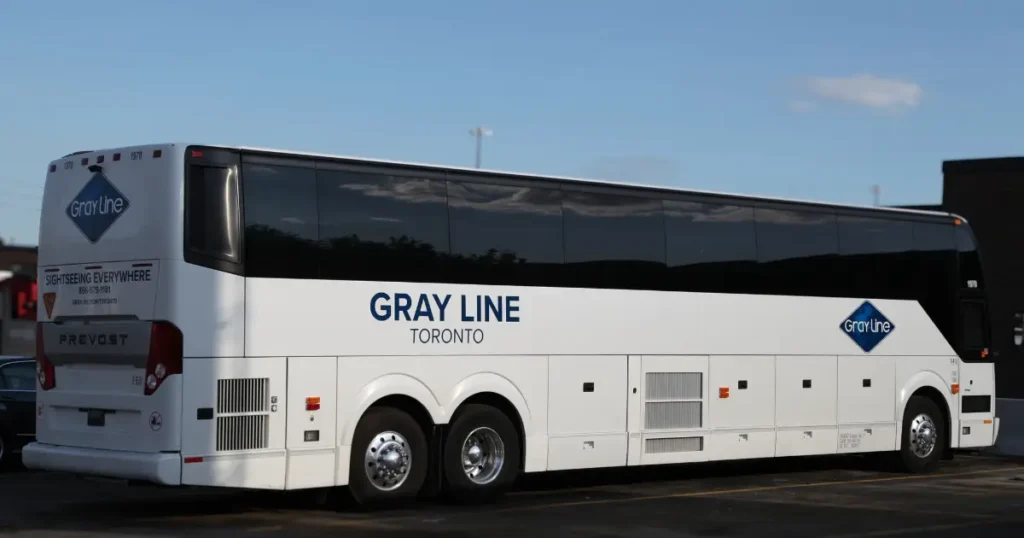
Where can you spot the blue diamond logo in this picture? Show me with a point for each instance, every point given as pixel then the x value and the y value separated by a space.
pixel 867 327
pixel 97 207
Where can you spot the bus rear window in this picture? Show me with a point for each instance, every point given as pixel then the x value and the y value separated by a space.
pixel 211 213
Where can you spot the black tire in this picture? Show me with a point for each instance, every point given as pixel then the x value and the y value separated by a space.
pixel 935 421
pixel 375 422
pixel 469 420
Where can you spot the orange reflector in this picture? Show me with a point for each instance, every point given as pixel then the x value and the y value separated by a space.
pixel 988 421
pixel 723 392
pixel 957 222
pixel 194 460
pixel 956 388
pixel 313 403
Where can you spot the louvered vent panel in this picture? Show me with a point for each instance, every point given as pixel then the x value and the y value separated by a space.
pixel 243 395
pixel 674 386
pixel 243 418
pixel 670 445
pixel 672 415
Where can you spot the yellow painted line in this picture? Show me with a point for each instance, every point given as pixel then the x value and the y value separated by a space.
pixel 758 489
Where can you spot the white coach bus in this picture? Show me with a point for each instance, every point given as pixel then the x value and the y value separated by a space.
pixel 249 318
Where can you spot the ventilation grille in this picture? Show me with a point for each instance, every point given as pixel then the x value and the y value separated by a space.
pixel 668 445
pixel 242 432
pixel 674 386
pixel 674 400
pixel 243 395
pixel 672 415
pixel 243 420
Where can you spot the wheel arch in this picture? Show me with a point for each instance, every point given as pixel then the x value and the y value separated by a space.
pixel 931 386
pixel 498 392
pixel 400 391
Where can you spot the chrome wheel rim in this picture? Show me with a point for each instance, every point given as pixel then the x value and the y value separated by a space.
pixel 387 461
pixel 483 455
pixel 923 435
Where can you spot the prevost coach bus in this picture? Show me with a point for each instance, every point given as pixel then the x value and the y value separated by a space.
pixel 250 318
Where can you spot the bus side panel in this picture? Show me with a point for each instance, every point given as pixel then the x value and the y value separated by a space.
pixel 208 306
pixel 234 420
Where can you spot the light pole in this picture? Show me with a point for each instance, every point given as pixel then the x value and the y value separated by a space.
pixel 479 133
pixel 876 192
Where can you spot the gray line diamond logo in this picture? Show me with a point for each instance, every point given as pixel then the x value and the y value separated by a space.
pixel 98 205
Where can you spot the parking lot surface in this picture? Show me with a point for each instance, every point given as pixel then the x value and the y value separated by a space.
pixel 828 497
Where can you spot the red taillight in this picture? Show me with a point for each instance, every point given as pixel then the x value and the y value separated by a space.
pixel 45 371
pixel 165 355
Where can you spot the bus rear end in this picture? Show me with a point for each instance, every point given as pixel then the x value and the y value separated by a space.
pixel 108 358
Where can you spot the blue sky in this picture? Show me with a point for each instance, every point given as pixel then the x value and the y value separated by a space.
pixel 785 98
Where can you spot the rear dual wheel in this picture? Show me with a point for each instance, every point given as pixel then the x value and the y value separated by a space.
pixel 390 455
pixel 481 453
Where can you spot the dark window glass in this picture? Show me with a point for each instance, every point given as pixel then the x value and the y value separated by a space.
pixel 614 241
pixel 934 274
pixel 211 228
pixel 505 235
pixel 974 326
pixel 19 376
pixel 711 247
pixel 382 227
pixel 876 254
pixel 971 275
pixel 798 252
pixel 280 221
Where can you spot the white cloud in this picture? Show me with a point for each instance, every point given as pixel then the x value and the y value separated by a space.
pixel 867 90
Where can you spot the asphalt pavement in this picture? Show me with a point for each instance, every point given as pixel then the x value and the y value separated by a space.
pixel 821 497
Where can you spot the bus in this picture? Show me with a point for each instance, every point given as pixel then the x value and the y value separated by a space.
pixel 241 317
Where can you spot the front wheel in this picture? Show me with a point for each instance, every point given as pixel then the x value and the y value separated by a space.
pixel 924 434
pixel 481 453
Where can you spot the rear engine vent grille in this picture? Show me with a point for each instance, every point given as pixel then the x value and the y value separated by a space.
pixel 243 418
pixel 242 432
pixel 243 395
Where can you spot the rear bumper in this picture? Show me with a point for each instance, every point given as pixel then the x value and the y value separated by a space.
pixel 158 468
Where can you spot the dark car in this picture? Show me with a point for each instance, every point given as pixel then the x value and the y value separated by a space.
pixel 17 406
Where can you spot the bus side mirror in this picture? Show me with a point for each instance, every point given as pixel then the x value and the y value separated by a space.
pixel 1018 329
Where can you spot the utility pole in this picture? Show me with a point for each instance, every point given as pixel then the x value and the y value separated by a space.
pixel 876 193
pixel 479 133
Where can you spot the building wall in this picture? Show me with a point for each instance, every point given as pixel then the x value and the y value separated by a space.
pixel 989 193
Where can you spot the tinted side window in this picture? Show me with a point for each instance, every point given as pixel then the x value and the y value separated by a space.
pixel 711 247
pixel 973 326
pixel 212 212
pixel 971 275
pixel 382 227
pixel 614 241
pixel 280 221
pixel 798 251
pixel 935 274
pixel 876 255
pixel 505 235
